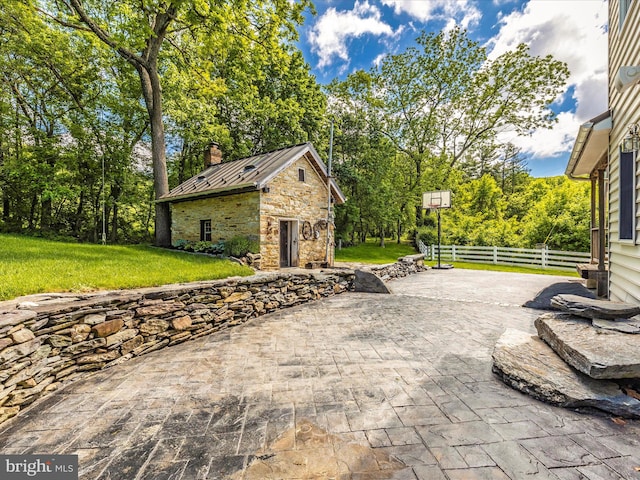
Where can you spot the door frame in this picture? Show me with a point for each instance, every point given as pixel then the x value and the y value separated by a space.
pixel 289 254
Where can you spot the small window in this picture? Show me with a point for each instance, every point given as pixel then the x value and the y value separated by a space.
pixel 301 173
pixel 627 197
pixel 205 230
pixel 625 5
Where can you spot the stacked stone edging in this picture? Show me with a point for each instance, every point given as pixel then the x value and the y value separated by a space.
pixel 404 266
pixel 47 340
pixel 53 342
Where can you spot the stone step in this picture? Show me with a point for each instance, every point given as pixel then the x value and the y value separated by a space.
pixel 542 300
pixel 593 308
pixel 596 352
pixel 526 363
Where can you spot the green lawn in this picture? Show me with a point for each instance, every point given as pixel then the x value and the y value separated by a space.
pixel 507 268
pixel 33 265
pixel 371 252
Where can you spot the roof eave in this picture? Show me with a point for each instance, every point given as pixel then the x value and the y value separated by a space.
pixel 219 192
pixel 590 146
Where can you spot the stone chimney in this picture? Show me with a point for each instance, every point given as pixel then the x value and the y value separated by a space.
pixel 212 155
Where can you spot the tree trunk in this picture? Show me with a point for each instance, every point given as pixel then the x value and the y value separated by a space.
pixel 382 237
pixel 151 90
pixel 45 214
pixel 77 223
pixel 32 211
pixel 6 208
pixel 116 192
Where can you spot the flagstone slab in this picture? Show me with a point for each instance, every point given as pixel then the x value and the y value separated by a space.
pixel 542 300
pixel 524 362
pixel 598 353
pixel 594 308
pixel 369 282
pixel 624 325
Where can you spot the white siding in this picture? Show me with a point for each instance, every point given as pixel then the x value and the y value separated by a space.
pixel 624 49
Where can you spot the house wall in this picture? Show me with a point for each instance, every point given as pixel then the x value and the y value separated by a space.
pixel 230 215
pixel 624 49
pixel 290 199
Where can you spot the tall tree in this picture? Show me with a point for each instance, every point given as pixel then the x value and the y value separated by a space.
pixel 138 30
pixel 259 100
pixel 438 100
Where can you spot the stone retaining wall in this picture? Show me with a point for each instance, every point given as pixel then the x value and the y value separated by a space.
pixel 403 267
pixel 59 337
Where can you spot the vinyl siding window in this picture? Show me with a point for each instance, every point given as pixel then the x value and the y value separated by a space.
pixel 627 196
pixel 205 230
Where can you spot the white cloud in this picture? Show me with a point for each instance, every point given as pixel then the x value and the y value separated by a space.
pixel 330 34
pixel 574 32
pixel 455 12
pixel 378 60
pixel 545 143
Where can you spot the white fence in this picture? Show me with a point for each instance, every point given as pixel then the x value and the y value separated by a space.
pixel 524 257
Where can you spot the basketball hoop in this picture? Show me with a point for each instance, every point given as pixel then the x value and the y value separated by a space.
pixel 436 201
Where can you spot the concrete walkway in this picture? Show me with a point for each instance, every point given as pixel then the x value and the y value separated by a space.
pixel 358 386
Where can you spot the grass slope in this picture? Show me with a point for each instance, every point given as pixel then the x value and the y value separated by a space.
pixel 506 268
pixel 371 252
pixel 33 265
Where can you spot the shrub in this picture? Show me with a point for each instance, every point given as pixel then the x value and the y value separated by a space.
pixel 239 246
pixel 199 247
pixel 428 235
pixel 180 244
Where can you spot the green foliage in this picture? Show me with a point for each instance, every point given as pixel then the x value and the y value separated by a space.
pixel 510 268
pixel 82 141
pixel 554 211
pixel 199 247
pixel 31 265
pixel 561 217
pixel 239 246
pixel 427 235
pixel 439 106
pixel 478 216
pixel 76 105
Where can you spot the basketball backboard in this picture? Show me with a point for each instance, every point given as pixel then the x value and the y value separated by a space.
pixel 437 199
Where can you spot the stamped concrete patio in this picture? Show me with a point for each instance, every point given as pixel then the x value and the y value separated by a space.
pixel 359 386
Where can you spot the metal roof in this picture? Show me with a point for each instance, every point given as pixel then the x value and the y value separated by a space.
pixel 247 174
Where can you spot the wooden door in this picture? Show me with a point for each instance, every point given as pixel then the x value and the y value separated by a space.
pixel 289 243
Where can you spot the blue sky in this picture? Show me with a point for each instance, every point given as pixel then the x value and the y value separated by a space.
pixel 347 35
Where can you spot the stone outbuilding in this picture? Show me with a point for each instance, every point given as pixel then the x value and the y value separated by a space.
pixel 279 198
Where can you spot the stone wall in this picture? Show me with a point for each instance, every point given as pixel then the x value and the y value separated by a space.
pixel 230 215
pixel 404 266
pixel 45 344
pixel 291 199
pixel 58 337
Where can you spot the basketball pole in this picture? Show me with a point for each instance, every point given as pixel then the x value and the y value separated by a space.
pixel 439 238
pixel 435 201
